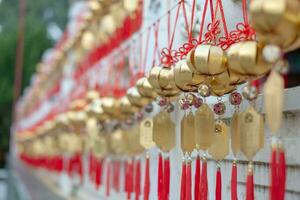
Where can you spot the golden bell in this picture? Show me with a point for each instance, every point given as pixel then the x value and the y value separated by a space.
pixel 94 109
pixel 136 99
pixel 153 78
pixel 145 88
pixel 246 58
pixel 276 21
pixel 207 60
pixel 220 84
pixel 185 79
pixel 126 107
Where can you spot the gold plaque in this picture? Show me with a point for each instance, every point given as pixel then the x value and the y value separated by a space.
pixel 204 127
pixel 163 131
pixel 220 145
pixel 146 133
pixel 251 124
pixel 187 133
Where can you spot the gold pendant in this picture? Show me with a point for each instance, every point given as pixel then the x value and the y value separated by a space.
pixel 146 133
pixel 204 127
pixel 163 131
pixel 235 133
pixel 220 146
pixel 100 148
pixel 252 127
pixel 274 100
pixel 187 133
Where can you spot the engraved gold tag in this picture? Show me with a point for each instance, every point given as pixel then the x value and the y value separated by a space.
pixel 204 127
pixel 274 100
pixel 146 133
pixel 163 131
pixel 251 125
pixel 220 145
pixel 187 133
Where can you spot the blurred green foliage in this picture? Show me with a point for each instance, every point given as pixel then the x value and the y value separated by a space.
pixel 38 16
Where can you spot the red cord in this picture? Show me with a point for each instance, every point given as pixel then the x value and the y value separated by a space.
pixel 160 184
pixel 282 174
pixel 183 181
pixel 188 191
pixel 147 180
pixel 218 184
pixel 146 52
pixel 204 183
pixel 250 185
pixel 166 174
pixel 197 179
pixel 156 49
pixel 234 181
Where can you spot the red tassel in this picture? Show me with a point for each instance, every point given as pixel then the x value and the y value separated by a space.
pixel 131 180
pixel 234 181
pixel 274 174
pixel 108 179
pixel 117 176
pixel 147 180
pixel 160 183
pixel 204 183
pixel 218 184
pixel 250 185
pixel 183 181
pixel 282 174
pixel 188 192
pixel 96 167
pixel 137 179
pixel 166 174
pixel 197 179
pixel 126 179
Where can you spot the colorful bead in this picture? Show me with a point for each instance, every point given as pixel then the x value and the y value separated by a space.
pixel 162 101
pixel 219 108
pixel 139 116
pixel 197 102
pixel 184 104
pixel 149 108
pixel 235 98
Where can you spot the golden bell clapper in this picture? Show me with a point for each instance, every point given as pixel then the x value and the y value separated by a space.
pixel 276 21
pixel 185 79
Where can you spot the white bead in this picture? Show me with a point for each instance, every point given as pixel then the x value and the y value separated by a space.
pixel 271 53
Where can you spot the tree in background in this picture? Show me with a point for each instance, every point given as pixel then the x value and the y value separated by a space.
pixel 40 15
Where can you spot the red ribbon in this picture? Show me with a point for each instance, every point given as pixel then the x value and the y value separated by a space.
pixel 274 175
pixel 108 166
